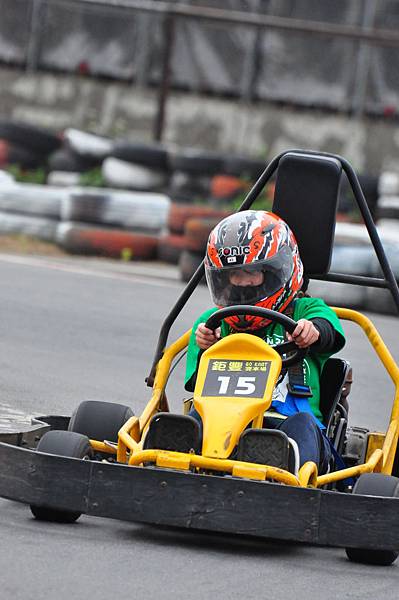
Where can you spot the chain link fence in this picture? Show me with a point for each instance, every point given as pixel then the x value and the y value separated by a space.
pixel 214 56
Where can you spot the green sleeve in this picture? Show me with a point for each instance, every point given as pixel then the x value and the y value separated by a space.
pixel 194 352
pixel 309 308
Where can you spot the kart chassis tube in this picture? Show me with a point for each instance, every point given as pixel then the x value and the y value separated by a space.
pixel 206 502
pixel 388 282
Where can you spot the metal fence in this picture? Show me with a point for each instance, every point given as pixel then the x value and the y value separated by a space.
pixel 341 55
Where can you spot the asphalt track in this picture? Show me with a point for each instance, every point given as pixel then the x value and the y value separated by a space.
pixel 75 330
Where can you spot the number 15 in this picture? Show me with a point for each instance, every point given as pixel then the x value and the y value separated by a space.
pixel 245 385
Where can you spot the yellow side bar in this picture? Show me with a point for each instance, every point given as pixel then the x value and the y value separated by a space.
pixel 127 432
pixel 180 460
pixel 378 345
pixel 372 465
pixel 391 440
pixel 161 378
pixel 308 474
pixel 101 447
pixel 389 447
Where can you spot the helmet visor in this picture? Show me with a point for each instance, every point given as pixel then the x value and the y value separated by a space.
pixel 249 283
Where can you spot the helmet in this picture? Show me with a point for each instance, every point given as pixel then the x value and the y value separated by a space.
pixel 258 247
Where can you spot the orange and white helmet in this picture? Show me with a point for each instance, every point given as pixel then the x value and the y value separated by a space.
pixel 253 240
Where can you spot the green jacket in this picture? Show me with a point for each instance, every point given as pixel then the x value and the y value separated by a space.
pixel 304 308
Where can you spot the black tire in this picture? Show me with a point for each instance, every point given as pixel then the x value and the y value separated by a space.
pixel 100 420
pixel 189 263
pixel 170 248
pixel 241 166
pixel 28 136
pixel 61 443
pixel 24 157
pixel 150 156
pixel 197 162
pixel 375 484
pixel 66 159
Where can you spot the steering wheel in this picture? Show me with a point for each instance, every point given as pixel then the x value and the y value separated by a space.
pixel 272 315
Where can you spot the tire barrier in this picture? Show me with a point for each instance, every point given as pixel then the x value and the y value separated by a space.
pixel 143 212
pixel 179 214
pixel 114 243
pixel 123 174
pixel 388 184
pixel 369 185
pixel 170 248
pixel 63 178
pixel 339 294
pixel 6 179
pixel 244 167
pixel 188 188
pixel 352 259
pixel 388 207
pixel 189 263
pixel 197 162
pixel 224 187
pixel 67 160
pixel 24 157
pixel 32 199
pixel 196 233
pixel 88 145
pixel 39 140
pixel 36 227
pixel 155 156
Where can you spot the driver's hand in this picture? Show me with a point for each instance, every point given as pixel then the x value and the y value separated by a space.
pixel 305 334
pixel 206 337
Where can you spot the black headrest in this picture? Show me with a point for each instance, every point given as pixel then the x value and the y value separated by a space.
pixel 306 197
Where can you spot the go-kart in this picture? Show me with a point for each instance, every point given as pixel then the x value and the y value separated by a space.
pixel 232 474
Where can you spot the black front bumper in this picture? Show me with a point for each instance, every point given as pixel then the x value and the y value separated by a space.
pixel 216 503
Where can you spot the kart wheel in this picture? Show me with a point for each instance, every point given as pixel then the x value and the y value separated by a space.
pixel 375 484
pixel 100 420
pixel 61 443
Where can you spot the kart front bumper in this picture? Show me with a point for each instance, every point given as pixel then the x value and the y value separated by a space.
pixel 184 499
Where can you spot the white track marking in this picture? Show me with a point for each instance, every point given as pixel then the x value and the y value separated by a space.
pixel 147 277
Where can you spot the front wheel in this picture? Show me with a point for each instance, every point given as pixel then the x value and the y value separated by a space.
pixel 375 484
pixel 100 420
pixel 62 443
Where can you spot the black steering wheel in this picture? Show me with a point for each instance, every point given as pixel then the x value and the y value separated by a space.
pixel 296 354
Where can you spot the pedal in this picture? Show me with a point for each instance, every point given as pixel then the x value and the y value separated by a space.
pixel 177 433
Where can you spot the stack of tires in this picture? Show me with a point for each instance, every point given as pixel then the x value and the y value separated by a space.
pixel 26 145
pixel 112 223
pixel 137 166
pixel 188 228
pixel 80 152
pixel 388 201
pixel 93 221
pixel 30 209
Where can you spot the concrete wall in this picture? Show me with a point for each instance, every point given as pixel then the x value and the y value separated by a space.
pixel 120 109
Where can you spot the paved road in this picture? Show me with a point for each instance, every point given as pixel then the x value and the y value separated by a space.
pixel 74 330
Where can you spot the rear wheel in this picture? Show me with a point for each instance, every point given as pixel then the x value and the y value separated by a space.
pixel 62 443
pixel 100 420
pixel 375 484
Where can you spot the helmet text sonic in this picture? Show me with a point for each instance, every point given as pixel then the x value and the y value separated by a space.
pixel 234 250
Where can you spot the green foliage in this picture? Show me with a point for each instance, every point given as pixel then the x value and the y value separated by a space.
pixel 92 178
pixel 27 175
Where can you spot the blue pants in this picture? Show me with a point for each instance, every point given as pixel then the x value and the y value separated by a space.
pixel 302 427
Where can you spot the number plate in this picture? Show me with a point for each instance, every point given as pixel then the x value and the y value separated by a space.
pixel 242 378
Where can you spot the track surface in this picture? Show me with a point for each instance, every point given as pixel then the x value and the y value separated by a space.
pixel 72 331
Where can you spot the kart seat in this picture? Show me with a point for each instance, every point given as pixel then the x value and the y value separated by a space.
pixel 332 383
pixel 299 194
